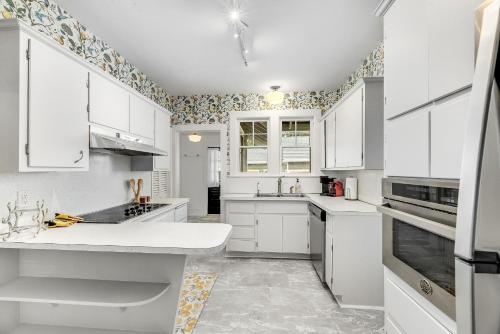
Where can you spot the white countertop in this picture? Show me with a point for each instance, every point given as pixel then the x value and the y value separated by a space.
pixel 170 200
pixel 332 205
pixel 135 237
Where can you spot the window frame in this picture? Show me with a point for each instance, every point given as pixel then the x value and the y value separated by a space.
pixel 253 121
pixel 310 146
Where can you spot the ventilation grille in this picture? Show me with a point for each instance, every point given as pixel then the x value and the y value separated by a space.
pixel 159 184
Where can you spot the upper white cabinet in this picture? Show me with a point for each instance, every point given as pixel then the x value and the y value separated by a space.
pixel 57 115
pixel 108 103
pixel 428 50
pixel 448 126
pixel 329 141
pixel 162 139
pixel 142 117
pixel 349 132
pixel 354 128
pixel 407 145
pixel 43 95
pixel 406 58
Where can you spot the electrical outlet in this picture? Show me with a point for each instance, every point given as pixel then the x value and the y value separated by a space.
pixel 23 198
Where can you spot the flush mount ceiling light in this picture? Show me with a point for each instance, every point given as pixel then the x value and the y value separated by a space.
pixel 194 138
pixel 275 97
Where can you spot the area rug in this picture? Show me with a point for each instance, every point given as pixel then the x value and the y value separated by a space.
pixel 194 294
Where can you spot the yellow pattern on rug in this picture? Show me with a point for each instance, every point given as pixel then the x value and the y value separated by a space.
pixel 194 294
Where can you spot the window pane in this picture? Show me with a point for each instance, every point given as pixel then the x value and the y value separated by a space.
pixel 303 138
pixel 261 127
pixel 288 133
pixel 246 128
pixel 296 160
pixel 253 160
pixel 260 140
pixel 246 140
pixel 304 126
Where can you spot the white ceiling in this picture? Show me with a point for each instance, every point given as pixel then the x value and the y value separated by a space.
pixel 187 46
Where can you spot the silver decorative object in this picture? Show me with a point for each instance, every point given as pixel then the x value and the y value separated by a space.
pixel 15 213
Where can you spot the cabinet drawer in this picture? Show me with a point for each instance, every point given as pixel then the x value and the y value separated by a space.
pixel 242 219
pixel 240 207
pixel 167 217
pixel 181 213
pixel 282 207
pixel 243 232
pixel 235 245
pixel 409 315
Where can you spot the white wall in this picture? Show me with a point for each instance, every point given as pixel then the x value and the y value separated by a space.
pixel 248 185
pixel 194 170
pixel 369 183
pixel 105 185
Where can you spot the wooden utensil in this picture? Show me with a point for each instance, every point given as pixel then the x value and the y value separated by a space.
pixel 132 186
pixel 139 189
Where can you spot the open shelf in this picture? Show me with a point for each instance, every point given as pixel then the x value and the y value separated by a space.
pixel 86 292
pixel 39 329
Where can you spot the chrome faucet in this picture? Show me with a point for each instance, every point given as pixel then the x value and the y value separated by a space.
pixel 280 182
pixel 258 189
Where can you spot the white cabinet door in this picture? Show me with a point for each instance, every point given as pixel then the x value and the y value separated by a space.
pixel 109 103
pixel 448 126
pixel 58 127
pixel 142 117
pixel 180 214
pixel 349 131
pixel 407 145
pixel 330 141
pixel 296 234
pixel 329 260
pixel 391 327
pixel 406 54
pixel 162 139
pixel 167 217
pixel 322 158
pixel 451 45
pixel 269 233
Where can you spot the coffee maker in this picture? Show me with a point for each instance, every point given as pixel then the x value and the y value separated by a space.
pixel 326 188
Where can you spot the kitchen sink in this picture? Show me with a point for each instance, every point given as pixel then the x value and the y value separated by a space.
pixel 279 195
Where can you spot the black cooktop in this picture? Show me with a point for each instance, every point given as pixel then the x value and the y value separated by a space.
pixel 120 213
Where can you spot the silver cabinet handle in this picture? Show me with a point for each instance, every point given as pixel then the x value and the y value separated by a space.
pixel 80 158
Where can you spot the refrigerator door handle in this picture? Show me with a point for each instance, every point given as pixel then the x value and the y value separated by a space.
pixel 483 88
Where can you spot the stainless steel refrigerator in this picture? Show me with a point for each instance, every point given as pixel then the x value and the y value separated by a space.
pixel 477 241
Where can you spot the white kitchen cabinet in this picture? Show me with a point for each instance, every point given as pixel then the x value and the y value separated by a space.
pixel 43 98
pixel 108 103
pixel 142 117
pixel 354 239
pixel 451 45
pixel 448 126
pixel 269 233
pixel 58 128
pixel 329 133
pixel 349 131
pixel 406 57
pixel 166 217
pixel 407 145
pixel 162 139
pixel 180 214
pixel 296 234
pixel 354 128
pixel 403 314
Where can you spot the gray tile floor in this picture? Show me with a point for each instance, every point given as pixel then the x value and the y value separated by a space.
pixel 275 297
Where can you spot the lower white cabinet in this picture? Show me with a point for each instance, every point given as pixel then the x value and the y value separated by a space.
pixel 180 214
pixel 353 259
pixel 268 227
pixel 167 217
pixel 403 314
pixel 269 233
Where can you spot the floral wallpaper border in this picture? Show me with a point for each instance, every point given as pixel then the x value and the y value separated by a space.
pixel 50 19
pixel 213 109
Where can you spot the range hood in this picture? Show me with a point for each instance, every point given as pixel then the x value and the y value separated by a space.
pixel 122 143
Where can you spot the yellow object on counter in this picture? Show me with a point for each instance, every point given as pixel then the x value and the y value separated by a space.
pixel 64 220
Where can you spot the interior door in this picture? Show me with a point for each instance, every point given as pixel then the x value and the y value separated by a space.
pixel 58 128
pixel 269 233
pixel 296 234
pixel 162 139
pixel 330 141
pixel 349 131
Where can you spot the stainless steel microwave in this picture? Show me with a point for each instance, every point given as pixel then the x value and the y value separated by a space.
pixel 419 217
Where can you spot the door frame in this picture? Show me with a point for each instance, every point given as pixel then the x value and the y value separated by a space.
pixel 177 130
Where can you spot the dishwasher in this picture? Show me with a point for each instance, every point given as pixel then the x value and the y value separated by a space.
pixel 317 226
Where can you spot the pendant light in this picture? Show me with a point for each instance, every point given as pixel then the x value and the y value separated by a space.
pixel 275 97
pixel 194 138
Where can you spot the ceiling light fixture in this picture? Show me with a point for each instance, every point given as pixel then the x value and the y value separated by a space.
pixel 235 15
pixel 194 138
pixel 239 27
pixel 275 97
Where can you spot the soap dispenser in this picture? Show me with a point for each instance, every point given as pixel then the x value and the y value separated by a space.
pixel 298 189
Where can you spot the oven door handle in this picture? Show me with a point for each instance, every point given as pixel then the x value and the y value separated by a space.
pixel 423 223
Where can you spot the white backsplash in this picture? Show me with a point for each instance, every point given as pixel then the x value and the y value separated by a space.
pixel 248 185
pixel 369 183
pixel 105 185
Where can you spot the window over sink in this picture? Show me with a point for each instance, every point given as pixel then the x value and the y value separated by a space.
pixel 296 146
pixel 253 146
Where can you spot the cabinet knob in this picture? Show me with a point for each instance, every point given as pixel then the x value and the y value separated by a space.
pixel 80 158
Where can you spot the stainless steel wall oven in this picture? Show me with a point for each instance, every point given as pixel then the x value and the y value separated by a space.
pixel 419 218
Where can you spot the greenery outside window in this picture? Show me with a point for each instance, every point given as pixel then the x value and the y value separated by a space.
pixel 295 146
pixel 253 147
